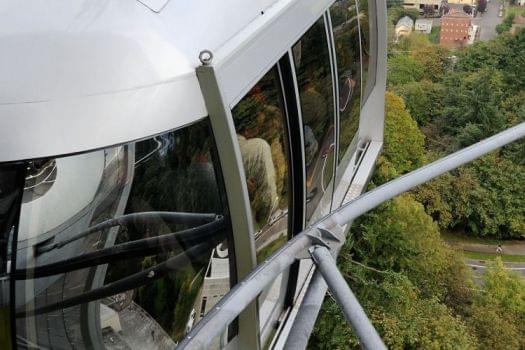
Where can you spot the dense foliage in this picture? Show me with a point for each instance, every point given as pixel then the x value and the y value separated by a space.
pixel 478 96
pixel 404 144
pixel 410 283
pixel 415 288
pixel 498 314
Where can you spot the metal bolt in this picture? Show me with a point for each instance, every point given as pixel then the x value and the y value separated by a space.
pixel 206 56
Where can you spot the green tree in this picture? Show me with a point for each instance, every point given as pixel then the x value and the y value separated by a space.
pixel 473 102
pixel 404 143
pixel 493 330
pixel 406 278
pixel 403 69
pixel 402 317
pixel 503 288
pixel 434 58
pixel 514 111
pixel 485 198
pixel 424 100
pixel 506 54
pixel 401 237
pixel 498 311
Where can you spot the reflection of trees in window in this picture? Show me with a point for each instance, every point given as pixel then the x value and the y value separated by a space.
pixel 175 173
pixel 312 66
pixel 260 125
pixel 346 38
pixel 259 121
pixel 364 25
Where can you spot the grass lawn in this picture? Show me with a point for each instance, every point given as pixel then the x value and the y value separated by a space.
pixel 514 10
pixel 433 37
pixel 271 247
pixel 489 256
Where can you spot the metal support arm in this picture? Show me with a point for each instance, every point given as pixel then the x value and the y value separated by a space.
pixel 248 289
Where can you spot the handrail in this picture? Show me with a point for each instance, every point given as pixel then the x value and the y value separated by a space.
pixel 230 306
pixel 133 281
pixel 134 218
pixel 127 250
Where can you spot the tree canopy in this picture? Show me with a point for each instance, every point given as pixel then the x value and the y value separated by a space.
pixel 414 287
pixel 403 142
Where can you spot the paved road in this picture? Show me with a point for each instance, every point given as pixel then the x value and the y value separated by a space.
pixel 479 266
pixel 489 20
pixel 269 233
pixel 509 247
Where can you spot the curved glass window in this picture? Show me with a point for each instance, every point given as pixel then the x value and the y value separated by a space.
pixel 11 190
pixel 314 77
pixel 368 28
pixel 260 124
pixel 126 248
pixel 345 26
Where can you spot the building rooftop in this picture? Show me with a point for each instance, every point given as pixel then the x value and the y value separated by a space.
pixel 424 21
pixel 405 21
pixel 454 13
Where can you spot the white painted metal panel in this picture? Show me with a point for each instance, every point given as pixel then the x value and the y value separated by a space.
pixel 253 51
pixel 41 129
pixel 85 74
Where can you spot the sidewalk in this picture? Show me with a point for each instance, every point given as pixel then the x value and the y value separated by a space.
pixel 511 248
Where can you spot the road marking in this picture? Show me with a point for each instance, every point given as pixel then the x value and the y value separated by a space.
pixel 507 268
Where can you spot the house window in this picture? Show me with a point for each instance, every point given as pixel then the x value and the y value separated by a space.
pixel 203 306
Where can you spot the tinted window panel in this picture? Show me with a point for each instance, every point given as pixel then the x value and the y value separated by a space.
pixel 368 28
pixel 11 190
pixel 260 123
pixel 346 38
pixel 125 248
pixel 312 66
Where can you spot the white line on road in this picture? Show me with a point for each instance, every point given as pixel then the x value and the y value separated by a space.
pixel 507 268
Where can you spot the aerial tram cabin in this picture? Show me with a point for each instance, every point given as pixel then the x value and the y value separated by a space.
pixel 154 152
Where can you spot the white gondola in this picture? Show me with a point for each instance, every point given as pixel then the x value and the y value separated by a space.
pixel 154 152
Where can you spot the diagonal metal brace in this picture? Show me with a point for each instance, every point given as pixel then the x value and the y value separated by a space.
pixel 239 297
pixel 345 298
